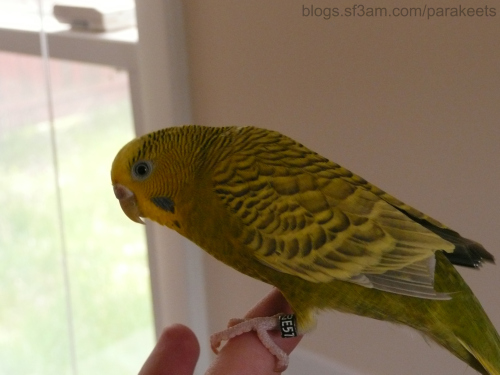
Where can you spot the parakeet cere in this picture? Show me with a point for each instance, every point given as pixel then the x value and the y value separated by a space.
pixel 272 209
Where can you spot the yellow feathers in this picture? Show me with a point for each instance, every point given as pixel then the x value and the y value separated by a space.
pixel 277 211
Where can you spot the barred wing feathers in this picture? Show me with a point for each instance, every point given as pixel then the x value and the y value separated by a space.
pixel 306 216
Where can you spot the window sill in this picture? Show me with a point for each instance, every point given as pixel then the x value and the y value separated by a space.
pixel 116 48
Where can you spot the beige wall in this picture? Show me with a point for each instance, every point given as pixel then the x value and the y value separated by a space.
pixel 412 105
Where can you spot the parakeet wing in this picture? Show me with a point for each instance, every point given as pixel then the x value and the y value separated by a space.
pixel 309 217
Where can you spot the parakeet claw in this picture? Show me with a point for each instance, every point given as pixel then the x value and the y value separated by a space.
pixel 234 321
pixel 261 326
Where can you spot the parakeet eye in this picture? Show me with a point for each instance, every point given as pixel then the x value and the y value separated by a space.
pixel 141 170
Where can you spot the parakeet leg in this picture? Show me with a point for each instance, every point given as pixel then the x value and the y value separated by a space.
pixel 261 326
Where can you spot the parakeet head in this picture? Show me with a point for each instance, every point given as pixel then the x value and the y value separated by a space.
pixel 145 176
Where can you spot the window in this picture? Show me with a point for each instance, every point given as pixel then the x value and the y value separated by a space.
pixel 75 293
pixel 90 104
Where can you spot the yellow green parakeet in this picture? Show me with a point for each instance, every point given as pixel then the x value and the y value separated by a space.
pixel 327 239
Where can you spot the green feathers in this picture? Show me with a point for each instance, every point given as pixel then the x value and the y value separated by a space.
pixel 277 211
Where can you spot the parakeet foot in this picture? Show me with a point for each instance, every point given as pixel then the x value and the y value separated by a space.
pixel 261 326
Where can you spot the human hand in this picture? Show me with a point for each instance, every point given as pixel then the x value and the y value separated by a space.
pixel 177 350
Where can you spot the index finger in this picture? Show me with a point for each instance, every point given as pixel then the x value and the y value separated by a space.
pixel 245 354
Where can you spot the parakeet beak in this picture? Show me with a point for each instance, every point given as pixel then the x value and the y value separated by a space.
pixel 128 203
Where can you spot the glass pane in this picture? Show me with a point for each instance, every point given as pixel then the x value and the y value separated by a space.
pixel 33 333
pixel 106 254
pixel 25 6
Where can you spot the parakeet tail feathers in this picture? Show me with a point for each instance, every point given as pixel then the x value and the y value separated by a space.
pixel 492 369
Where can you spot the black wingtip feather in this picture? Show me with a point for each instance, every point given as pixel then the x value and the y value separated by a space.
pixel 467 253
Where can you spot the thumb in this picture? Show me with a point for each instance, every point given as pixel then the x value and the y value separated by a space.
pixel 176 353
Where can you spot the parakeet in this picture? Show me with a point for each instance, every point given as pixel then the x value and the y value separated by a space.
pixel 273 209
